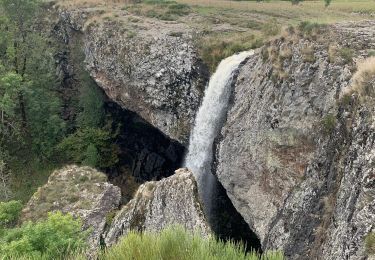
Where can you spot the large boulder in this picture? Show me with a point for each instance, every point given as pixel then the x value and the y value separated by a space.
pixel 296 154
pixel 81 191
pixel 156 205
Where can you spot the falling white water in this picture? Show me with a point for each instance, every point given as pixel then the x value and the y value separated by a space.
pixel 208 123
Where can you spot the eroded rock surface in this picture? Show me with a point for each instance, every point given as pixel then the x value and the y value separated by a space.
pixel 150 66
pixel 80 191
pixel 295 157
pixel 156 205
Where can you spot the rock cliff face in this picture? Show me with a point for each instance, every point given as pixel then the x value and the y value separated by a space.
pixel 80 191
pixel 296 154
pixel 150 67
pixel 156 205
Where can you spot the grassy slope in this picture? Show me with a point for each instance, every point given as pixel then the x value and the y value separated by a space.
pixel 227 27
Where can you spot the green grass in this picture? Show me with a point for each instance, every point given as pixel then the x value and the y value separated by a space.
pixel 328 123
pixel 176 243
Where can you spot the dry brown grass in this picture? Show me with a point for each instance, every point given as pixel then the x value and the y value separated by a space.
pixel 364 79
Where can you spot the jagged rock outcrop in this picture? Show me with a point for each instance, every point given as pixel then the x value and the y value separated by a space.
pixel 296 156
pixel 80 191
pixel 147 66
pixel 156 205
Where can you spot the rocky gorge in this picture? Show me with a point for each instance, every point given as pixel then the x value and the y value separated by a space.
pixel 295 155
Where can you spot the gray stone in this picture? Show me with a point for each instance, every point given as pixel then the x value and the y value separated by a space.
pixel 156 205
pixel 81 191
pixel 144 68
pixel 295 160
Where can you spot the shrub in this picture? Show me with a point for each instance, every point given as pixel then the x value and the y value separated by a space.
pixel 370 243
pixel 214 49
pixel 9 212
pixel 308 28
pixel 52 238
pixel 177 243
pixel 346 54
pixel 271 28
pixel 88 144
pixel 328 123
pixel 363 79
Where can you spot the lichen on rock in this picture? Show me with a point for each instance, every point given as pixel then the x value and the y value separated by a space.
pixel 157 205
pixel 296 159
pixel 81 191
pixel 145 68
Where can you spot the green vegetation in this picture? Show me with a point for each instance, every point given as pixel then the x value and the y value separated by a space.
pixel 177 243
pixel 328 123
pixel 161 9
pixel 370 243
pixel 347 55
pixel 91 146
pixel 9 213
pixel 214 50
pixel 40 127
pixel 271 28
pixel 54 238
pixel 61 237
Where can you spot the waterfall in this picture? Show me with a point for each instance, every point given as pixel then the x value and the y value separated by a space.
pixel 208 123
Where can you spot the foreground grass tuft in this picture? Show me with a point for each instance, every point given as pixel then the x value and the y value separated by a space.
pixel 177 243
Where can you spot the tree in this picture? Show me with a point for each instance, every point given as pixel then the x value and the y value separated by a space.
pixel 5 192
pixel 10 86
pixel 327 2
pixel 76 147
pixel 29 103
pixel 91 156
pixel 18 14
pixel 91 103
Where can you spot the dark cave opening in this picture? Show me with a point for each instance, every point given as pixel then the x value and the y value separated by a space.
pixel 147 154
pixel 227 223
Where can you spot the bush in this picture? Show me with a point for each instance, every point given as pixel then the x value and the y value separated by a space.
pixel 214 49
pixel 308 27
pixel 90 146
pixel 364 78
pixel 328 123
pixel 271 28
pixel 177 243
pixel 9 212
pixel 346 54
pixel 52 238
